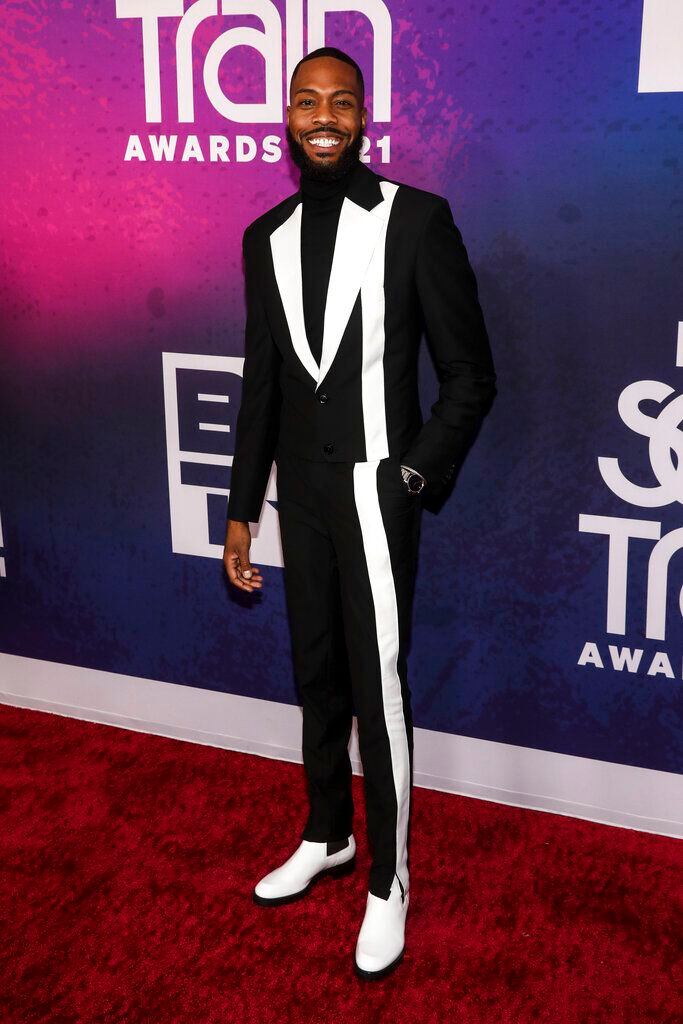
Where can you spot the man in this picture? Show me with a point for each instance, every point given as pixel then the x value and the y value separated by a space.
pixel 342 277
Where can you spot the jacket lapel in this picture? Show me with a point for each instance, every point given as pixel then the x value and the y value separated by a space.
pixel 357 234
pixel 285 245
pixel 358 231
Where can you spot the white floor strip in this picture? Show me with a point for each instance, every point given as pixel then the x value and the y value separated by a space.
pixel 643 799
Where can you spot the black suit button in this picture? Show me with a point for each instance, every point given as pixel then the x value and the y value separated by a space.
pixel 322 398
pixel 328 449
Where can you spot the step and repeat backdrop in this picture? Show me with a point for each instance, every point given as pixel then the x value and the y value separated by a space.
pixel 142 136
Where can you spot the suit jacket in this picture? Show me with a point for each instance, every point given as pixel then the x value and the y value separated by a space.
pixel 399 269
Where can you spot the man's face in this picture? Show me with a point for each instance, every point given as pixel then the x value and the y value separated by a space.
pixel 326 118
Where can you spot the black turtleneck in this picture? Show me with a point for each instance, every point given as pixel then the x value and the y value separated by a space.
pixel 321 205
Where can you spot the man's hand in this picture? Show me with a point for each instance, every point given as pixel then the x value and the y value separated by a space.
pixel 240 571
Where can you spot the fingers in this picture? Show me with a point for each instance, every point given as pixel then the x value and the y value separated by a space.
pixel 250 578
pixel 241 573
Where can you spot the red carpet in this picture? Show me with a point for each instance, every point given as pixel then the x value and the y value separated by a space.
pixel 127 863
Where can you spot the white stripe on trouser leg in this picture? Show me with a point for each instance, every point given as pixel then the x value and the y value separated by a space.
pixel 376 548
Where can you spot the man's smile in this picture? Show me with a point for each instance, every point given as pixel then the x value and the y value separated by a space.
pixel 323 140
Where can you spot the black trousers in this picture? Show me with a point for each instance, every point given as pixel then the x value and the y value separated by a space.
pixel 350 533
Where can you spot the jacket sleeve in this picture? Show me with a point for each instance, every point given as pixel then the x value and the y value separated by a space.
pixel 257 426
pixel 459 343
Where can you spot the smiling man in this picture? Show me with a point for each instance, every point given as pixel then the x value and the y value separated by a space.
pixel 326 146
pixel 342 278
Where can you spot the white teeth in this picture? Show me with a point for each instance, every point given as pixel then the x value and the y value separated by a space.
pixel 324 142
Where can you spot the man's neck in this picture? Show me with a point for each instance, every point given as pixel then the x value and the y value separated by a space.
pixel 322 187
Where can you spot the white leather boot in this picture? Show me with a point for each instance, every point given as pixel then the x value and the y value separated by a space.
pixel 381 940
pixel 309 862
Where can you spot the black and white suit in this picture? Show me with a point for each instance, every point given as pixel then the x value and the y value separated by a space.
pixel 339 432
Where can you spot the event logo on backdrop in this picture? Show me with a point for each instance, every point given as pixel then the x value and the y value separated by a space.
pixel 661 50
pixel 268 43
pixel 665 452
pixel 201 399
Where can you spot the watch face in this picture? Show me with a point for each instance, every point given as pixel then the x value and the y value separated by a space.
pixel 415 483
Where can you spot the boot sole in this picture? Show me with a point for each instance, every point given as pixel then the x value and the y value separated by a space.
pixel 338 871
pixel 382 973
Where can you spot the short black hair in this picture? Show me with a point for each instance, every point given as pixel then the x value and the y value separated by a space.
pixel 332 51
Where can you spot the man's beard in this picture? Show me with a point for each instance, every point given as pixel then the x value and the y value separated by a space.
pixel 324 170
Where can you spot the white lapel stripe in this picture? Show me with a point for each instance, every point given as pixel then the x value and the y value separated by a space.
pixel 372 305
pixel 285 245
pixel 357 233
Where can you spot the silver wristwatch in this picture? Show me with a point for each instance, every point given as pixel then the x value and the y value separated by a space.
pixel 413 480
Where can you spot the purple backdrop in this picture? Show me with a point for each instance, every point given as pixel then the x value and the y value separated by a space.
pixel 564 179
